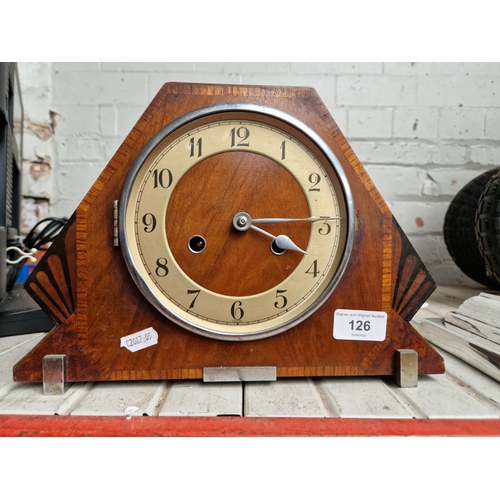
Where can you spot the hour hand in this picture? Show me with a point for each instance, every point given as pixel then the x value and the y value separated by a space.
pixel 282 241
pixel 242 222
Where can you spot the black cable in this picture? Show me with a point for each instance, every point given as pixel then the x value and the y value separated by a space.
pixel 36 238
pixel 46 235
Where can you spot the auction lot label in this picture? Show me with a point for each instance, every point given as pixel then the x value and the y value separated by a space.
pixel 349 324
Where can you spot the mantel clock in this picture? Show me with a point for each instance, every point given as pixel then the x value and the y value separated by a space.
pixel 234 231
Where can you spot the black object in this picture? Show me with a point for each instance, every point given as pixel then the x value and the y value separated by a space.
pixel 488 226
pixel 18 312
pixel 44 232
pixel 460 231
pixel 11 130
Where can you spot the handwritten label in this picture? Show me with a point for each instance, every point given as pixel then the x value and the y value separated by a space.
pixel 350 324
pixel 140 340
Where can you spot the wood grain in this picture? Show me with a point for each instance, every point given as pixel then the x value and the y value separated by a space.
pixel 210 194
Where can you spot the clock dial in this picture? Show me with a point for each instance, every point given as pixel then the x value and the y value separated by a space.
pixel 236 222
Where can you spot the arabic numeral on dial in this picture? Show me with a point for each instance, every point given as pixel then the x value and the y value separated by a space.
pixel 161 267
pixel 195 147
pixel 162 178
pixel 282 147
pixel 282 302
pixel 195 293
pixel 325 230
pixel 242 133
pixel 313 269
pixel 236 311
pixel 149 221
pixel 314 179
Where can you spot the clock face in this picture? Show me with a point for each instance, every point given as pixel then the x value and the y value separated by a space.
pixel 236 221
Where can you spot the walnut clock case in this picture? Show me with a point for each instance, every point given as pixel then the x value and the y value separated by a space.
pixel 234 230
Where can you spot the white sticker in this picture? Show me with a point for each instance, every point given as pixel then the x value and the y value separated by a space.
pixel 140 340
pixel 359 325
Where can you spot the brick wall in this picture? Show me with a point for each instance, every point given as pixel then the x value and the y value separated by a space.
pixel 422 130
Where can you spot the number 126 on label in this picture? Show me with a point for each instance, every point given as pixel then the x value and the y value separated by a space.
pixel 350 324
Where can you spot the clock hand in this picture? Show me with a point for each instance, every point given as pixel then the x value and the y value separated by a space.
pixel 282 241
pixel 242 221
pixel 278 221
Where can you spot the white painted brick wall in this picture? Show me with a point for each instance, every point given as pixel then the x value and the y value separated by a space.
pixel 422 130
pixel 37 169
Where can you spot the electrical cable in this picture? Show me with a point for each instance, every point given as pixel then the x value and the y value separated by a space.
pixel 46 235
pixel 38 238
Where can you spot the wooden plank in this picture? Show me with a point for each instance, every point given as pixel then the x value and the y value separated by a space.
pixel 447 298
pixel 476 383
pixel 196 398
pixel 287 398
pixel 473 326
pixel 439 396
pixel 11 350
pixel 453 296
pixel 484 307
pixel 114 398
pixel 8 343
pixel 477 352
pixel 423 313
pixel 28 399
pixel 361 398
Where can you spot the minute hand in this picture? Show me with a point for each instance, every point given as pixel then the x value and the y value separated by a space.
pixel 278 221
